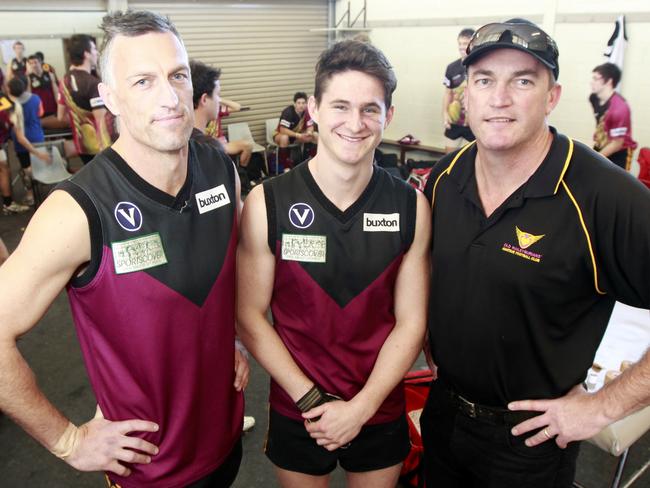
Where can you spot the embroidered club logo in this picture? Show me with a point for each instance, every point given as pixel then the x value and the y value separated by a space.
pixel 525 239
pixel 128 215
pixel 301 215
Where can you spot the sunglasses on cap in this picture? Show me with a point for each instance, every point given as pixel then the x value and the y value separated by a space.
pixel 526 37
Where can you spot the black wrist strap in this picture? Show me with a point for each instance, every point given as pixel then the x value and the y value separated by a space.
pixel 311 399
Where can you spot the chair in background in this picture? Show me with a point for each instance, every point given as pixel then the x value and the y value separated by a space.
pixel 271 125
pixel 626 338
pixel 240 131
pixel 44 174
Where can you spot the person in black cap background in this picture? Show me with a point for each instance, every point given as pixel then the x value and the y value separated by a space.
pixel 535 236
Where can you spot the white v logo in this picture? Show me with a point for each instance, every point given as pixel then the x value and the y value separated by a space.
pixel 302 218
pixel 128 216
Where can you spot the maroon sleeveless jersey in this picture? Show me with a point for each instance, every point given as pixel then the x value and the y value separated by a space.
pixel 335 272
pixel 154 311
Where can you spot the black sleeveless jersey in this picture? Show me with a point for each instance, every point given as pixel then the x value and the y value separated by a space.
pixel 333 296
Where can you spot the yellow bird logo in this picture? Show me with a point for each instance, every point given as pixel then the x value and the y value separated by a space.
pixel 525 239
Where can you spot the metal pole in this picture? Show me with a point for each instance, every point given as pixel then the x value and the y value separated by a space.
pixel 637 475
pixel 619 469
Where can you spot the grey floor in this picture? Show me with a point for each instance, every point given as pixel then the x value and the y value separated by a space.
pixel 52 350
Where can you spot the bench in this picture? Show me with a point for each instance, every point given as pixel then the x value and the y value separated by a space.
pixel 404 148
pixel 56 134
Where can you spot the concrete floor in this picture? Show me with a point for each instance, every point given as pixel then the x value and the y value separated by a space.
pixel 52 350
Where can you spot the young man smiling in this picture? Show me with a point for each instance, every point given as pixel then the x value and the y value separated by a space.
pixel 535 237
pixel 338 249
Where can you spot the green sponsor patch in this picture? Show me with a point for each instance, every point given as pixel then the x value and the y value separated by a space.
pixel 305 248
pixel 140 253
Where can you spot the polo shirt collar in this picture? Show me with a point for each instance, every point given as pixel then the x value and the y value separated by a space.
pixel 545 181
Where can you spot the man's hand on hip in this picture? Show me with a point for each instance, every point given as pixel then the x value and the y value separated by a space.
pixel 101 445
pixel 573 417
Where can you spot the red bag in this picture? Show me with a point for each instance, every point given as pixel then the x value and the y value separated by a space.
pixel 416 390
pixel 418 178
pixel 644 163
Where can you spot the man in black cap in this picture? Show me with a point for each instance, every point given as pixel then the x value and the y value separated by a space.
pixel 533 238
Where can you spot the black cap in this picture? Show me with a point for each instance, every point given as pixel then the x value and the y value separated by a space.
pixel 520 34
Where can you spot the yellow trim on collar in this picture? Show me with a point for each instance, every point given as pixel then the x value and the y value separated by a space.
pixel 448 169
pixel 566 165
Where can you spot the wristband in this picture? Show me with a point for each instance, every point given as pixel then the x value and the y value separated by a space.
pixel 67 443
pixel 314 398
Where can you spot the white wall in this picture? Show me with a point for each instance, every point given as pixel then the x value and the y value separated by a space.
pixel 45 31
pixel 419 38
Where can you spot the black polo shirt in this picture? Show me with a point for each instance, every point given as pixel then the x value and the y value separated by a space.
pixel 520 300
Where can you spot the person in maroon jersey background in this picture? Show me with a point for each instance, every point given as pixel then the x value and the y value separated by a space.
pixel 43 83
pixel 613 135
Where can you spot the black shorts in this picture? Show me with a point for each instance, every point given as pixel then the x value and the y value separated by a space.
pixel 87 158
pixel 456 131
pixel 289 446
pixel 622 158
pixel 222 477
pixel 24 159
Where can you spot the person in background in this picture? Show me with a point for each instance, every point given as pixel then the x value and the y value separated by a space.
pixel 44 84
pixel 295 125
pixel 457 132
pixel 46 66
pixel 9 206
pixel 80 103
pixel 613 135
pixel 18 65
pixel 236 149
pixel 26 130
